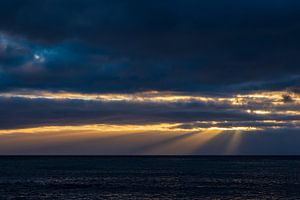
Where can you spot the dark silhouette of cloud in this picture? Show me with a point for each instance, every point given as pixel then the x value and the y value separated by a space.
pixel 26 112
pixel 131 45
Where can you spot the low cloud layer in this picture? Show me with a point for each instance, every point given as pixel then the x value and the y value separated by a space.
pixel 258 110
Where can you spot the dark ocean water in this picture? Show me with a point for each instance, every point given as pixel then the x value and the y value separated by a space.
pixel 149 178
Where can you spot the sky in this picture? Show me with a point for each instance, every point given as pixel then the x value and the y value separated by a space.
pixel 149 77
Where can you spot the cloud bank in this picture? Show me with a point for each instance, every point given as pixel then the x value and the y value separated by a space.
pixel 151 67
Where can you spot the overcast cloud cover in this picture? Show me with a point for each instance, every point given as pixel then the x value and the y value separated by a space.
pixel 150 45
pixel 214 48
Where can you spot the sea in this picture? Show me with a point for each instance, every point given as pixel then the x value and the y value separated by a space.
pixel 149 177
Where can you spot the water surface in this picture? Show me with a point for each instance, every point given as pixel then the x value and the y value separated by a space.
pixel 149 178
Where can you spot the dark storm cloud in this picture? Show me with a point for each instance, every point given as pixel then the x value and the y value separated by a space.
pixel 31 113
pixel 24 112
pixel 222 46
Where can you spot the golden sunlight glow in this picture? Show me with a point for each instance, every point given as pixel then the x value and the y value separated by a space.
pixel 260 103
pixel 259 112
pixel 108 128
pixel 238 128
pixel 234 143
pixel 266 112
pixel 275 98
pixel 187 144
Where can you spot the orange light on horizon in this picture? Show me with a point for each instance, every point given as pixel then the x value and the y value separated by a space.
pixel 275 98
pixel 109 128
